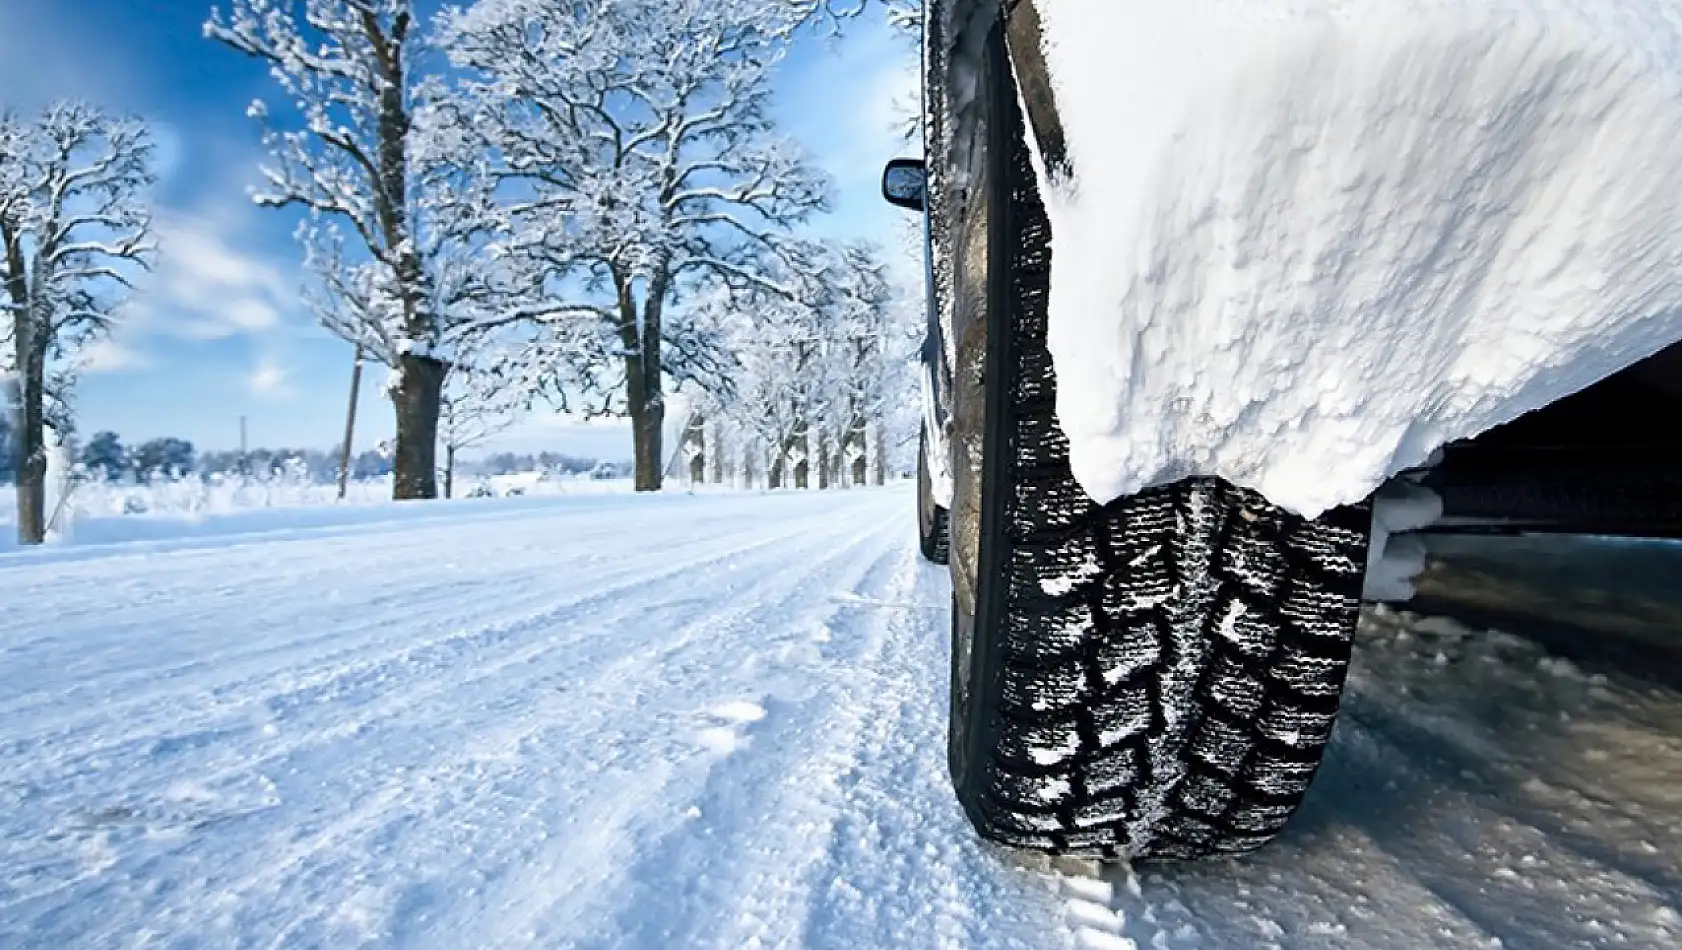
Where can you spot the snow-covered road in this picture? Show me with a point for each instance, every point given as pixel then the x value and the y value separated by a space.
pixel 718 721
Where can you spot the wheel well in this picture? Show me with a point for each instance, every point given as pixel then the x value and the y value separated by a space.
pixel 1606 460
pixel 1617 412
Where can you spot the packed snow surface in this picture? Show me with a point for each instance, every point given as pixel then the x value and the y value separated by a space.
pixel 720 722
pixel 1305 243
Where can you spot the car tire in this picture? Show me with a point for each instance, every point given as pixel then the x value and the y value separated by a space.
pixel 1156 677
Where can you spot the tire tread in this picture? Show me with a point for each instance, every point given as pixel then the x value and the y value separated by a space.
pixel 1167 665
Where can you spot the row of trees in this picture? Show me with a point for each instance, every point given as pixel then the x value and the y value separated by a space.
pixel 106 456
pixel 815 382
pixel 565 197
pixel 582 201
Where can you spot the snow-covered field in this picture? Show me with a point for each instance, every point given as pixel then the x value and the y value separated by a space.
pixel 718 721
pixel 105 513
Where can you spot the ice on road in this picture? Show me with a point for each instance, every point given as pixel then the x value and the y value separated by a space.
pixel 719 721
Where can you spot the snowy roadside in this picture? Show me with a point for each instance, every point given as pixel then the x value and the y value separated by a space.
pixel 719 721
pixel 167 528
pixel 102 513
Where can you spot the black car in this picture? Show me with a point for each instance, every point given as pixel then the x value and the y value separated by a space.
pixel 1158 676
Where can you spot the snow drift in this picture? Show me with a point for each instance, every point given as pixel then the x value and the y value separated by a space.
pixel 1305 243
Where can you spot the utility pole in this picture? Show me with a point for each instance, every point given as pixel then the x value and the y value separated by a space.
pixel 350 423
pixel 244 452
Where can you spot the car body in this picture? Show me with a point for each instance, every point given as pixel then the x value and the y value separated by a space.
pixel 1028 557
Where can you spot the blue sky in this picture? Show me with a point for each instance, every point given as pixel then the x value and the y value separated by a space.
pixel 218 332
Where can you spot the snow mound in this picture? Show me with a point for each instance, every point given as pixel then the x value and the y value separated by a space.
pixel 1306 243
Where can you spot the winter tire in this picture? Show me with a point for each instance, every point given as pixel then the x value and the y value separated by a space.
pixel 931 517
pixel 1156 677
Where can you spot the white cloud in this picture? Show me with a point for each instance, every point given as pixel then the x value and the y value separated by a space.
pixel 206 259
pixel 110 356
pixel 269 378
pixel 207 287
pixel 249 313
pixel 167 148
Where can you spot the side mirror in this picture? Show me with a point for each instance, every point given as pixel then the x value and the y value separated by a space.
pixel 905 183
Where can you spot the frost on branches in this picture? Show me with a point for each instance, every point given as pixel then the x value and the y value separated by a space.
pixel 393 199
pixel 639 169
pixel 903 15
pixel 482 399
pixel 821 381
pixel 74 229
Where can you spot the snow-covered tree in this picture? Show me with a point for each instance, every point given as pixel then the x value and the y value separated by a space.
pixel 778 390
pixel 165 459
pixel 874 336
pixel 905 15
pixel 818 378
pixel 74 229
pixel 105 455
pixel 391 200
pixel 481 400
pixel 639 165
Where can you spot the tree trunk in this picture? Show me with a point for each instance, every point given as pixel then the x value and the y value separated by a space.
pixel 449 472
pixel 774 473
pixel 420 388
pixel 856 452
pixel 879 473
pixel 715 457
pixel 698 461
pixel 417 400
pixel 648 418
pixel 28 401
pixel 824 473
pixel 32 455
pixel 30 407
pixel 644 374
pixel 798 451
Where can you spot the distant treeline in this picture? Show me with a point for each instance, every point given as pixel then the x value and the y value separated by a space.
pixel 106 456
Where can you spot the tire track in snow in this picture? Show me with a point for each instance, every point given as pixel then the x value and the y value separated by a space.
pixel 449 790
pixel 901 865
pixel 267 572
pixel 860 758
pixel 771 552
pixel 767 799
pixel 232 700
pixel 626 840
pixel 1489 856
pixel 418 596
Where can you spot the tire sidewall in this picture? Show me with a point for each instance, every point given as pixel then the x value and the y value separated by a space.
pixel 980 443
